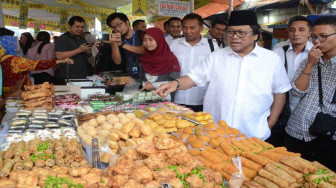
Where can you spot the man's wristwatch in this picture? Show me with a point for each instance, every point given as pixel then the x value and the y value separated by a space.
pixel 178 83
pixel 122 44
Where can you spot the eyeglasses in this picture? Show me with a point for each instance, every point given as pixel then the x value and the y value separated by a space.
pixel 321 38
pixel 240 34
pixel 117 26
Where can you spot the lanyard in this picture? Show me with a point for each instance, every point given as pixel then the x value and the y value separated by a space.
pixel 133 44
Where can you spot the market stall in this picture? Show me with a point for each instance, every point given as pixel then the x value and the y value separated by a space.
pixel 136 140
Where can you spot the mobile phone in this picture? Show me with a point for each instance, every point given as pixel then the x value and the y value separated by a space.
pixel 88 44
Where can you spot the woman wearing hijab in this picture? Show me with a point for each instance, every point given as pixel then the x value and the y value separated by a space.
pixel 43 50
pixel 15 70
pixel 26 42
pixel 159 64
pixel 8 41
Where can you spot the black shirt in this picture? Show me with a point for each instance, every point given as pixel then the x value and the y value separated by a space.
pixel 131 60
pixel 81 67
pixel 104 60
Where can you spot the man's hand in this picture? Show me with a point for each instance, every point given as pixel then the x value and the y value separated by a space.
pixel 165 89
pixel 66 60
pixel 84 48
pixel 114 38
pixel 147 86
pixel 314 56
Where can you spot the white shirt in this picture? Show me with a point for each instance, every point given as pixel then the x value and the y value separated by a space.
pixel 188 57
pixel 293 62
pixel 241 88
pixel 281 44
pixel 169 39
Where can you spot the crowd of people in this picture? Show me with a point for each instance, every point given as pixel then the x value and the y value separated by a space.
pixel 273 95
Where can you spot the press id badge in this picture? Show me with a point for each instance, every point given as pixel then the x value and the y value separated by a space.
pixel 135 70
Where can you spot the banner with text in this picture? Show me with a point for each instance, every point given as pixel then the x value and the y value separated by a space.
pixel 63 21
pixel 173 8
pixel 23 18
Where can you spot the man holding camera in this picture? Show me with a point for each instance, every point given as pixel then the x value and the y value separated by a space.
pixel 72 45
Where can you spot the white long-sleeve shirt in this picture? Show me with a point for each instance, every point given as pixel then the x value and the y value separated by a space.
pixel 241 89
pixel 293 62
pixel 189 57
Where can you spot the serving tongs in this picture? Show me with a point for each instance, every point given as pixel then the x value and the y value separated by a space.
pixel 95 154
pixel 193 121
pixel 185 118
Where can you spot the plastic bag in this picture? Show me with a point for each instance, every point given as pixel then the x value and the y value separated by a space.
pixel 237 178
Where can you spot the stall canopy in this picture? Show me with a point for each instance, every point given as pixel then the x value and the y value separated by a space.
pixel 216 6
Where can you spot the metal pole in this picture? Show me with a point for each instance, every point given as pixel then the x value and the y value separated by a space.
pixel 192 5
pixel 2 20
pixel 231 7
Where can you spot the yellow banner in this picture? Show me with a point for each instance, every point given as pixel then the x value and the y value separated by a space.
pixel 63 21
pixel 139 7
pixel 37 26
pixel 104 27
pixel 65 2
pixel 23 18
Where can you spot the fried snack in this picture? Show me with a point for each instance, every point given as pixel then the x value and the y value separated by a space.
pixel 297 175
pixel 257 158
pixel 290 161
pixel 239 145
pixel 308 164
pixel 320 166
pixel 229 149
pixel 264 182
pixel 18 166
pixel 6 169
pixel 74 164
pixel 323 184
pixel 194 152
pixel 40 163
pixel 218 153
pixel 251 184
pixel 19 148
pixel 128 127
pixel 135 132
pixel 10 152
pixel 271 155
pixel 251 164
pixel 248 145
pixel 250 173
pixel 60 153
pixel 288 153
pixel 317 176
pixel 79 171
pixel 197 144
pixel 28 165
pixel 146 130
pixel 263 143
pixel 229 168
pixel 50 162
pixel 30 95
pixel 59 161
pixel 211 157
pixel 274 178
pixel 7 183
pixel 281 173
